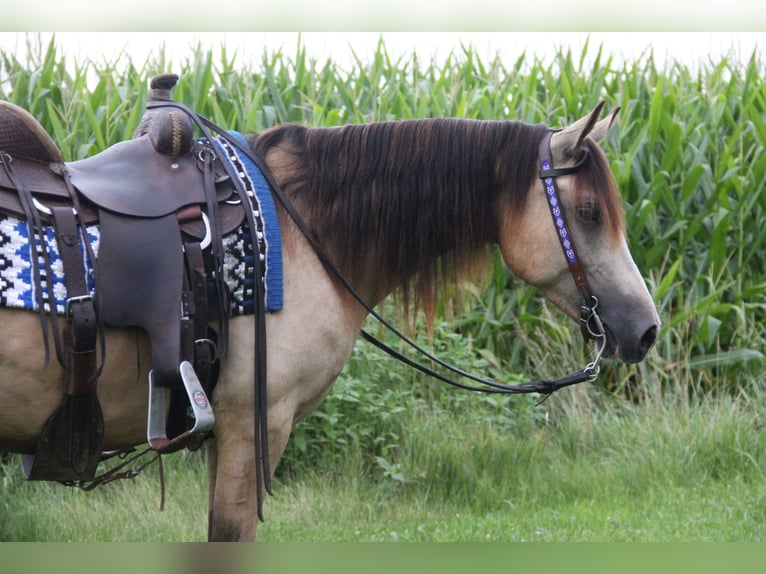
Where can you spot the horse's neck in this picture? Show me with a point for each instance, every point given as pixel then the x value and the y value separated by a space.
pixel 391 224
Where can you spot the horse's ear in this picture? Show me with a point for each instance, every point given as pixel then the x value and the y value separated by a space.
pixel 567 143
pixel 602 128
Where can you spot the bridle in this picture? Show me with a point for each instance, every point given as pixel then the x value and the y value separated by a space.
pixel 590 322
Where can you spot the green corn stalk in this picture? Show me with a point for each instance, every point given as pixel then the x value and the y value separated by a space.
pixel 688 158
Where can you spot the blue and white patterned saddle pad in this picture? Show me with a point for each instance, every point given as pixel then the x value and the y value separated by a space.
pixel 17 285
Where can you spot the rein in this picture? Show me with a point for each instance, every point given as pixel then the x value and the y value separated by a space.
pixel 260 410
pixel 590 323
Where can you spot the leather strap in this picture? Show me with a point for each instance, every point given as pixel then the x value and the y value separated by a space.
pixel 207 159
pixel 81 334
pixel 38 250
pixel 199 350
pixel 548 174
pixel 541 386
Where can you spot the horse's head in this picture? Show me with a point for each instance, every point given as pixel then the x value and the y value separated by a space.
pixel 592 220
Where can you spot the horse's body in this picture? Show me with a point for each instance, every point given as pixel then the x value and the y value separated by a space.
pixel 400 225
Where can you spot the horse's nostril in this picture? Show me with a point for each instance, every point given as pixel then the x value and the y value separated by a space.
pixel 648 339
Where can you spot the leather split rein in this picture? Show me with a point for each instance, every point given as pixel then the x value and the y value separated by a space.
pixel 590 323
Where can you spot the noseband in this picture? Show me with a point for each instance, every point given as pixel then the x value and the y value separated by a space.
pixel 590 322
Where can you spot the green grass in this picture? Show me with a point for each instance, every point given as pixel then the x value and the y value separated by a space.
pixel 711 513
pixel 672 449
pixel 121 511
pixel 662 472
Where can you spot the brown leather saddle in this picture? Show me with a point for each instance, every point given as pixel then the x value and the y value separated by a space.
pixel 158 199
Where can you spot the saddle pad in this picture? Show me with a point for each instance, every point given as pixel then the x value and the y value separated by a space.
pixel 266 220
pixel 17 286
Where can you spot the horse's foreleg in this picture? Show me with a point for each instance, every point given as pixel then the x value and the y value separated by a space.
pixel 231 491
pixel 231 475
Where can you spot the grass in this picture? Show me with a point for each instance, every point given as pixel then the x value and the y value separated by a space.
pixel 710 513
pixel 122 511
pixel 664 472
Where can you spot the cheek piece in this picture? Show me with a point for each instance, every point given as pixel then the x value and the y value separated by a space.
pixel 590 322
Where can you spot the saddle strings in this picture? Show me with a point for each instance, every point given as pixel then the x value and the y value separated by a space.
pixel 207 159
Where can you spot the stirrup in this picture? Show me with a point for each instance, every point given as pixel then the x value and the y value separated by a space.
pixel 203 413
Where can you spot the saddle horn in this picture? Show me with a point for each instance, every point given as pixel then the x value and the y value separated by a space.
pixel 170 131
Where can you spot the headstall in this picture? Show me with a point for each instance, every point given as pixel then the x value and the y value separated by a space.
pixel 590 322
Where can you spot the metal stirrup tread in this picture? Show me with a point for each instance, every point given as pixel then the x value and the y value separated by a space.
pixel 204 419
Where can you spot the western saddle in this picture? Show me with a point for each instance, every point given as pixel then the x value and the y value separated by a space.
pixel 159 200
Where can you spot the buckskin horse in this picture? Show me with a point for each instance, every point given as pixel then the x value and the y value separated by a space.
pixel 369 210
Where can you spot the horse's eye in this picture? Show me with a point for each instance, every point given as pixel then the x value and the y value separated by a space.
pixel 589 212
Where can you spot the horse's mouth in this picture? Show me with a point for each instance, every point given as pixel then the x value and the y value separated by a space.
pixel 610 343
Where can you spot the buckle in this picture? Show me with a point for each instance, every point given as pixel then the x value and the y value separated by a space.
pixel 74 300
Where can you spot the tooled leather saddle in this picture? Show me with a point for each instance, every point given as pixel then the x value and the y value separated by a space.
pixel 162 202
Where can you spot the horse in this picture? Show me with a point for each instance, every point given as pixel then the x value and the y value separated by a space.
pixel 403 206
